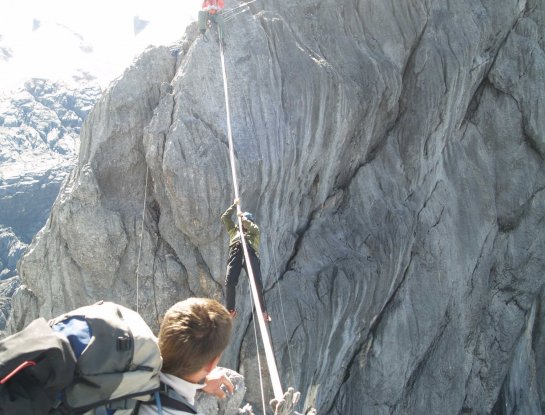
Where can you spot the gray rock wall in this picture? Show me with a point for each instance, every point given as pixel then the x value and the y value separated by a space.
pixel 393 154
pixel 7 288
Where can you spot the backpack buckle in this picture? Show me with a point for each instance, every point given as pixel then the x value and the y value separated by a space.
pixel 124 343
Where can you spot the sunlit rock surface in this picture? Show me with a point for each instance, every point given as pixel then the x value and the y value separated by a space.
pixel 393 154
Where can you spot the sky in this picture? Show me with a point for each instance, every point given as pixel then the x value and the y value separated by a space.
pixel 56 38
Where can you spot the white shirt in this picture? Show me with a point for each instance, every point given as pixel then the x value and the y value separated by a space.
pixel 182 387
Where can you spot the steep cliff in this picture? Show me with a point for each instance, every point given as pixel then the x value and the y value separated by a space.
pixel 393 153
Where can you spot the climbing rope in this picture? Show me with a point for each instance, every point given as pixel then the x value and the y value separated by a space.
pixel 140 244
pixel 273 371
pixel 235 11
pixel 261 387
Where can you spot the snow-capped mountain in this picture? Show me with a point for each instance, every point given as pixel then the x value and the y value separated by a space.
pixel 60 42
pixel 46 50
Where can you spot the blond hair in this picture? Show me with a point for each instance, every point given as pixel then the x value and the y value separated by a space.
pixel 192 334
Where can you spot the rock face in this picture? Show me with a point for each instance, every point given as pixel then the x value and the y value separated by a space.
pixel 393 155
pixel 7 289
pixel 39 138
pixel 11 249
pixel 210 405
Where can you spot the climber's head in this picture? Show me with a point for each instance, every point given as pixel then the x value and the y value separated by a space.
pixel 247 216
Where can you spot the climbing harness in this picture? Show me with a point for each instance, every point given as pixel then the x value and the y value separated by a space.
pixel 273 371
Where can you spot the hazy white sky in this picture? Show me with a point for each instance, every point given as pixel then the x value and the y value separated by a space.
pixel 54 48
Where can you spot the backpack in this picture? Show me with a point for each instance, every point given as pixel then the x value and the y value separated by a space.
pixel 35 364
pixel 93 356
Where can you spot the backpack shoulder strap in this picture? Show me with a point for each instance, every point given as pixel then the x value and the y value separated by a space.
pixel 167 401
